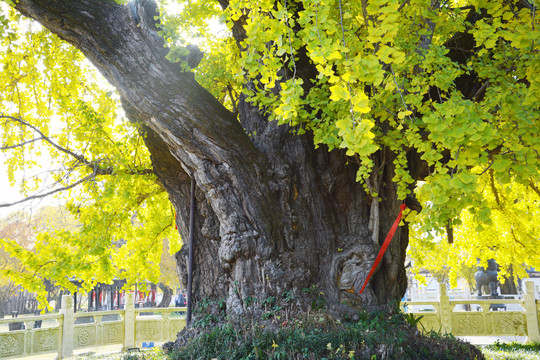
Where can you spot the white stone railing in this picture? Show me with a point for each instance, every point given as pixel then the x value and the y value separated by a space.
pixel 447 318
pixel 68 331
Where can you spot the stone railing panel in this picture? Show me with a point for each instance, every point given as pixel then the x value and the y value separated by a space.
pixel 468 324
pixel 98 328
pixel 31 340
pixel 161 325
pixel 12 344
pixel 113 333
pixel 509 323
pixel 430 322
pixel 47 340
pixel 176 325
pixel 84 336
pixel 148 330
pixel 478 318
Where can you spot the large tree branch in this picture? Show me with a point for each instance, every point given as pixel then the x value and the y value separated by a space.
pixel 123 43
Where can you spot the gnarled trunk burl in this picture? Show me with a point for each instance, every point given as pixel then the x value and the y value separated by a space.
pixel 275 215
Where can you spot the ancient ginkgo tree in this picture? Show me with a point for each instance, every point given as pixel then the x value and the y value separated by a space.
pixel 336 112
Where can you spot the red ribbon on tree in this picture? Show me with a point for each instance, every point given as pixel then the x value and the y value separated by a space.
pixel 384 246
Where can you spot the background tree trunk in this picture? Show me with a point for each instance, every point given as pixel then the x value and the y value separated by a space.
pixel 278 222
pixel 167 295
pixel 508 285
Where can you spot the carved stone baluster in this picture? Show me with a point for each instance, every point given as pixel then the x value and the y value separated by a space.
pixel 99 329
pixel 445 310
pixel 129 321
pixel 533 332
pixel 486 318
pixel 68 325
pixel 29 337
pixel 165 314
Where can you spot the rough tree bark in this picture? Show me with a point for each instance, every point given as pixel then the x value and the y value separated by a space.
pixel 275 215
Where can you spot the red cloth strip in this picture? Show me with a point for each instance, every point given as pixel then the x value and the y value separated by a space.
pixel 384 246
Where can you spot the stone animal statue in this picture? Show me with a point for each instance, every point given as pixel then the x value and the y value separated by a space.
pixel 487 277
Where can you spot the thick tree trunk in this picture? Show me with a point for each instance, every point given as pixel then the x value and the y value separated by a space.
pixel 276 218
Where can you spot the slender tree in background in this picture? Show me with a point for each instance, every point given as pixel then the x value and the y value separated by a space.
pixel 338 112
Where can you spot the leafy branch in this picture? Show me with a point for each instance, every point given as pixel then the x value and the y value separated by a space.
pixel 41 196
pixel 534 188
pixel 93 165
pixel 22 144
pixel 78 157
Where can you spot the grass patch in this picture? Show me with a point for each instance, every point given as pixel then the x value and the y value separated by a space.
pixel 512 351
pixel 152 354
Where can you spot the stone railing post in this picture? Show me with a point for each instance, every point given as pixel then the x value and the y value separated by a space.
pixel 67 325
pixel 533 333
pixel 446 311
pixel 129 321
pixel 166 325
